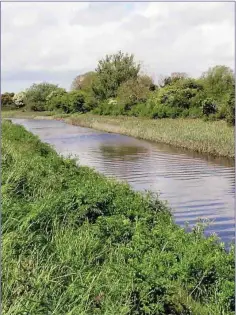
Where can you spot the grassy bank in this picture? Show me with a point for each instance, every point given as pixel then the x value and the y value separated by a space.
pixel 25 114
pixel 75 243
pixel 215 138
pixel 211 137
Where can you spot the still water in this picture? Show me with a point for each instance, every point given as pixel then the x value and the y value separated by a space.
pixel 195 186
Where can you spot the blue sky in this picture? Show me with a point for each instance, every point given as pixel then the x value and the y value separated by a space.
pixel 54 42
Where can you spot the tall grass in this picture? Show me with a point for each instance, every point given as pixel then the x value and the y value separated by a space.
pixel 210 137
pixel 215 137
pixel 75 243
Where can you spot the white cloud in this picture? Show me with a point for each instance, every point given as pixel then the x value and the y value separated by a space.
pixel 56 41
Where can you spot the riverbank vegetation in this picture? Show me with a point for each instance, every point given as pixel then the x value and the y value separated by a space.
pixel 193 134
pixel 118 87
pixel 75 242
pixel 191 113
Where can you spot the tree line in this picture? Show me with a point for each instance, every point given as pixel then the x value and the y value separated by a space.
pixel 118 87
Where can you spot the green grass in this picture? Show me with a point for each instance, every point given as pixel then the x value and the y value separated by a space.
pixel 212 137
pixel 75 243
pixel 25 114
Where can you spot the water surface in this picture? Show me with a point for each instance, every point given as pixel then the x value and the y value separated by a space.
pixel 195 185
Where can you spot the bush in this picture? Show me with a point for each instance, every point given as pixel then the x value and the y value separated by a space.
pixel 163 111
pixel 208 107
pixel 178 95
pixel 230 116
pixel 36 96
pixel 73 102
pixel 19 100
pixel 54 100
pixel 7 100
pixel 132 92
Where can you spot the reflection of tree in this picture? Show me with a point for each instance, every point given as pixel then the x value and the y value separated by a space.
pixel 120 160
pixel 122 152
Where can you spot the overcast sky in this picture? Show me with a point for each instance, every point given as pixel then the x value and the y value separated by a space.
pixel 54 42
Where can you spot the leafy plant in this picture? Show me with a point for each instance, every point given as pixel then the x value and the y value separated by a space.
pixel 36 95
pixel 208 107
pixel 112 71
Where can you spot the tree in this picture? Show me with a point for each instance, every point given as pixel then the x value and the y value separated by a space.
pixel 36 95
pixel 147 81
pixel 172 79
pixel 112 71
pixel 84 81
pixel 218 82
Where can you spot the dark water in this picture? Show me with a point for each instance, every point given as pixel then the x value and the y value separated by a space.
pixel 195 186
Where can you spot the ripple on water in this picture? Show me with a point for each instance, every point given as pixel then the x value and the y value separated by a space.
pixel 195 185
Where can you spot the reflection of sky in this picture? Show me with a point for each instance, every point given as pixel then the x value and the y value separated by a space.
pixel 194 186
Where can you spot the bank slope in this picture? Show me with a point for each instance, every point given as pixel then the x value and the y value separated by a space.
pixel 210 137
pixel 75 242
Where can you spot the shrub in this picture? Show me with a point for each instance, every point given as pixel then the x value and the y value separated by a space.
pixel 132 92
pixel 195 112
pixel 54 100
pixel 163 111
pixel 19 100
pixel 73 102
pixel 7 100
pixel 230 116
pixel 208 107
pixel 36 95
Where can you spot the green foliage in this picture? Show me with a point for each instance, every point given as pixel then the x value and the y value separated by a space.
pixel 75 242
pixel 132 92
pixel 230 116
pixel 112 71
pixel 218 82
pixel 84 81
pixel 36 95
pixel 116 87
pixel 19 100
pixel 208 107
pixel 54 100
pixel 7 101
pixel 73 102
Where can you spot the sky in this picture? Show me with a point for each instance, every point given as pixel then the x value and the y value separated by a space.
pixel 55 42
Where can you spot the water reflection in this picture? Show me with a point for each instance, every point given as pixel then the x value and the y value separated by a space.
pixel 195 185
